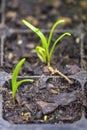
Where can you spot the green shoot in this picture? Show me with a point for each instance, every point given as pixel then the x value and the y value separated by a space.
pixel 44 52
pixel 15 83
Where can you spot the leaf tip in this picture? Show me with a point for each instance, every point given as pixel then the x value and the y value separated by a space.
pixel 24 59
pixel 67 33
pixel 24 21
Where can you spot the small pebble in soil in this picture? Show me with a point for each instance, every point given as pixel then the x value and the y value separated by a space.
pixel 8 105
pixel 25 116
pixel 10 56
pixel 19 42
pixel 30 46
pixel 11 14
pixel 77 40
pixel 49 86
pixel 52 91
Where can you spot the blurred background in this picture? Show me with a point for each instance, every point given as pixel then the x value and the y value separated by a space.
pixel 44 13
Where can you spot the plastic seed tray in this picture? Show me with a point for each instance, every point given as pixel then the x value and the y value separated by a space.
pixel 5 34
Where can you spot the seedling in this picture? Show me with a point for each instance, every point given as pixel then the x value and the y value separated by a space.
pixel 45 52
pixel 15 83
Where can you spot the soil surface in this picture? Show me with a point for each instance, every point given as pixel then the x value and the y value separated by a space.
pixel 45 13
pixel 85 53
pixel 86 99
pixel 47 100
pixel 20 46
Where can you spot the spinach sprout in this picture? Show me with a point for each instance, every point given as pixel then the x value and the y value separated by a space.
pixel 44 52
pixel 15 83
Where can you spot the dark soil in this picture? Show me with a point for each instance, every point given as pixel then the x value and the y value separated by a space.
pixel 85 52
pixel 85 92
pixel 47 100
pixel 43 13
pixel 67 53
pixel 51 97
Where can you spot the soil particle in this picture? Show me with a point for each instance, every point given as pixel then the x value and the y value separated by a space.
pixel 33 102
pixel 42 83
pixel 39 115
pixel 73 69
pixel 62 99
pixel 47 107
pixel 25 116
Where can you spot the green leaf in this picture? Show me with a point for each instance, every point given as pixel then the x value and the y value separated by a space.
pixel 15 75
pixel 52 30
pixel 58 39
pixel 23 81
pixel 16 84
pixel 44 52
pixel 38 32
pixel 19 83
pixel 41 53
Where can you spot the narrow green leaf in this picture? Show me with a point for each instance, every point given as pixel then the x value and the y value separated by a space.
pixel 38 32
pixel 52 30
pixel 44 52
pixel 58 39
pixel 41 53
pixel 15 75
pixel 22 81
pixel 14 82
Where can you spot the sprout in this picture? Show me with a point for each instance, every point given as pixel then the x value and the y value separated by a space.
pixel 15 83
pixel 45 52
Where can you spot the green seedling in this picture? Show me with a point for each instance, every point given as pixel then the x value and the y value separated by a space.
pixel 15 83
pixel 45 52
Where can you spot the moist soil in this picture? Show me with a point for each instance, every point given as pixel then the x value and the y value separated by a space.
pixel 45 13
pixel 20 46
pixel 46 100
pixel 85 52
